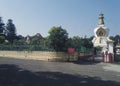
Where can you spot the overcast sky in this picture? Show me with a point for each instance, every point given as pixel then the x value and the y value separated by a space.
pixel 78 17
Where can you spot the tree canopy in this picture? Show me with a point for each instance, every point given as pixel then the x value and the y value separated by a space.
pixel 58 38
pixel 11 31
pixel 2 27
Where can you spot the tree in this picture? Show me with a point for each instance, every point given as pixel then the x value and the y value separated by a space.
pixel 75 42
pixel 2 39
pixel 11 31
pixel 58 38
pixel 2 27
pixel 20 40
pixel 36 40
pixel 2 30
pixel 115 38
pixel 46 42
pixel 86 43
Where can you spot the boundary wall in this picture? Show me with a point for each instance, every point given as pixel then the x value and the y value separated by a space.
pixel 39 55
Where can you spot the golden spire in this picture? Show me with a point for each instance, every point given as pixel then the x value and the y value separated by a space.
pixel 101 21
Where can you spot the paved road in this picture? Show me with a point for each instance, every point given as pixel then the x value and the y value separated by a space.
pixel 14 72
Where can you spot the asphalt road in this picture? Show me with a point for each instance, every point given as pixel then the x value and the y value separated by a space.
pixel 14 72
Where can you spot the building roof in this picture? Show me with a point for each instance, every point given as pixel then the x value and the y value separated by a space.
pixel 117 46
pixel 110 40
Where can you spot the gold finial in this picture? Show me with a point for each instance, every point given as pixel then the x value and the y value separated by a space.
pixel 101 17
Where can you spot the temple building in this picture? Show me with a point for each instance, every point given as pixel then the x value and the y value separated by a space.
pixel 101 35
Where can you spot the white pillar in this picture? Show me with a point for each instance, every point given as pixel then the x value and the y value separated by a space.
pixel 110 47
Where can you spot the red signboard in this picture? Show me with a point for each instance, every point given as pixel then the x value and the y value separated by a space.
pixel 71 50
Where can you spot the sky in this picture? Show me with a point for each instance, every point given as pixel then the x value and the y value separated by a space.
pixel 78 17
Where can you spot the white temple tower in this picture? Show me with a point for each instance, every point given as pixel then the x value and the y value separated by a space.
pixel 101 34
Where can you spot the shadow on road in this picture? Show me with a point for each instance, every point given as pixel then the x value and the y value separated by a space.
pixel 87 62
pixel 12 75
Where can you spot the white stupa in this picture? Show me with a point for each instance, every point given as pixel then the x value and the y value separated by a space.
pixel 101 34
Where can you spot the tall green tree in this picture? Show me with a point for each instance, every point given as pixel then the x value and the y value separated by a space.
pixel 58 38
pixel 2 27
pixel 11 31
pixel 2 31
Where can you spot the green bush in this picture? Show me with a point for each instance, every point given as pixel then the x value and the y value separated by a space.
pixel 99 48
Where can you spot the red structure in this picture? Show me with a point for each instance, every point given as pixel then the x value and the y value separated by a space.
pixel 103 56
pixel 71 50
pixel 110 58
pixel 107 58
